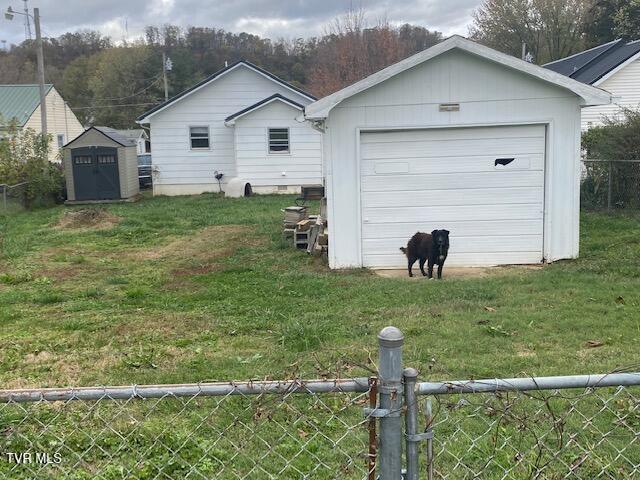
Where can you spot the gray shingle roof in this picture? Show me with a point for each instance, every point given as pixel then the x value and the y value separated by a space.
pixel 116 136
pixel 591 65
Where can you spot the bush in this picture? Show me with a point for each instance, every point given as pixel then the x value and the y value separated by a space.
pixel 24 158
pixel 614 142
pixel 617 139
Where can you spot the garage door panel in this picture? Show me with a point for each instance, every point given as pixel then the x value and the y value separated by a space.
pixel 460 164
pixel 477 196
pixel 451 181
pixel 470 227
pixel 520 131
pixel 516 243
pixel 450 148
pixel 442 214
pixel 474 259
pixel 425 179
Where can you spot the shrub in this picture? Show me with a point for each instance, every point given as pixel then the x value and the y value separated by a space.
pixel 618 139
pixel 24 159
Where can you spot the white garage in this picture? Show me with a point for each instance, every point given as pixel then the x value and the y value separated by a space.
pixel 459 137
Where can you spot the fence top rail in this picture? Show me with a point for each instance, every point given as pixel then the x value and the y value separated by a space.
pixel 605 160
pixel 354 385
pixel 525 384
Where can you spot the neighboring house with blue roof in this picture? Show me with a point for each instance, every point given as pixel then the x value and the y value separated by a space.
pixel 21 103
pixel 615 67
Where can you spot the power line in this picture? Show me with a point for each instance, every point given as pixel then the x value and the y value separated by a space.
pixel 138 92
pixel 115 106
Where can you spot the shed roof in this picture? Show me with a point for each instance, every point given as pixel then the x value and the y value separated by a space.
pixel 230 120
pixel 19 102
pixel 110 133
pixel 594 64
pixel 589 95
pixel 144 118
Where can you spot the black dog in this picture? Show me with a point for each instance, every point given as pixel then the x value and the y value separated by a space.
pixel 431 248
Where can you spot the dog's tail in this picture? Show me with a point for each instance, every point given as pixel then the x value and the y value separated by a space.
pixel 403 250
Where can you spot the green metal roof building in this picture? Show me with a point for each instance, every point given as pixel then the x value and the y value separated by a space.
pixel 18 102
pixel 21 104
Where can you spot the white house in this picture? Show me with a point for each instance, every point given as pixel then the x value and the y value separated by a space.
pixel 21 104
pixel 615 67
pixel 140 136
pixel 460 137
pixel 242 122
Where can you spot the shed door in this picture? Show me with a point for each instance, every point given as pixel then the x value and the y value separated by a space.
pixel 484 184
pixel 95 173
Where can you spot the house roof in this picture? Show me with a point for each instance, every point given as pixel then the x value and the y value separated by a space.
pixel 145 116
pixel 110 133
pixel 589 95
pixel 19 102
pixel 595 64
pixel 230 120
pixel 133 134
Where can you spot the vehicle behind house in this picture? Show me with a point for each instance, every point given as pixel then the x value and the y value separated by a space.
pixel 145 171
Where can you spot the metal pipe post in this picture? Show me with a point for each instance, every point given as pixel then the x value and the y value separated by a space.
pixel 411 423
pixel 390 387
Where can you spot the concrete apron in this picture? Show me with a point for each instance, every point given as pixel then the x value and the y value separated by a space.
pixel 459 272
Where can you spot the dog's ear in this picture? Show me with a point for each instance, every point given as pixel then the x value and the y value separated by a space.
pixel 434 232
pixel 446 232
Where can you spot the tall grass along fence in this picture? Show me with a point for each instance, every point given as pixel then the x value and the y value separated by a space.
pixel 12 196
pixel 610 184
pixel 391 426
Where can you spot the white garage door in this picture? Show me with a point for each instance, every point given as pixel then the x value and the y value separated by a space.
pixel 485 185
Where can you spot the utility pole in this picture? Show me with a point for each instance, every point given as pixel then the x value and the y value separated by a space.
pixel 164 74
pixel 40 58
pixel 524 51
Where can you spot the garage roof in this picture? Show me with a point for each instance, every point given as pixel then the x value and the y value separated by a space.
pixel 230 120
pixel 144 118
pixel 589 95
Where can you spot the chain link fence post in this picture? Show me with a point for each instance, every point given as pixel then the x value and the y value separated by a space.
pixel 390 341
pixel 411 423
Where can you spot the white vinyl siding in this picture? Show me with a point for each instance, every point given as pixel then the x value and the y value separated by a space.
pixel 300 166
pixel 624 85
pixel 182 170
pixel 422 180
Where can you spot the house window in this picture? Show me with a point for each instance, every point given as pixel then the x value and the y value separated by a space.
pixel 278 140
pixel 60 140
pixel 199 137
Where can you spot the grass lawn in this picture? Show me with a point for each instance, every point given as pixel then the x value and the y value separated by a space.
pixel 188 289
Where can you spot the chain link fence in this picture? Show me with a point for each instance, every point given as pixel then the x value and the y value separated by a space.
pixel 12 197
pixel 610 184
pixel 583 433
pixel 576 427
pixel 257 430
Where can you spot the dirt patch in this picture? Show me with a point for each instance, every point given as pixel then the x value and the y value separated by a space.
pixel 88 218
pixel 202 252
pixel 460 272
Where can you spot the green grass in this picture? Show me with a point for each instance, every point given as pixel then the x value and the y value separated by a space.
pixel 189 289
pixel 204 280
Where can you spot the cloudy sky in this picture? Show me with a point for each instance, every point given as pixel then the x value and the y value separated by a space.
pixel 270 18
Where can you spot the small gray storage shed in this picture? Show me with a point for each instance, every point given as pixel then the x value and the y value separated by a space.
pixel 100 165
